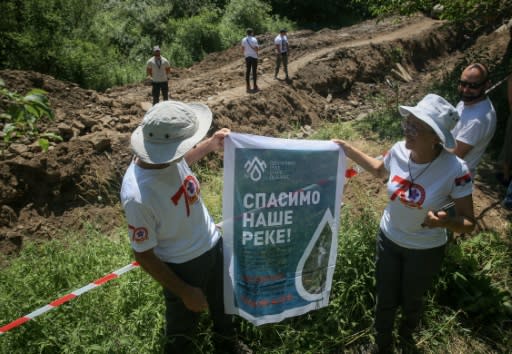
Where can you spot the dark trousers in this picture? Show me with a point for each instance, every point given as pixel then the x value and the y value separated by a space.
pixel 155 91
pixel 205 272
pixel 251 66
pixel 403 277
pixel 282 58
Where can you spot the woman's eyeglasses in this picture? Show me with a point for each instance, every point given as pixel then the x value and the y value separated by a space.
pixel 412 129
pixel 471 85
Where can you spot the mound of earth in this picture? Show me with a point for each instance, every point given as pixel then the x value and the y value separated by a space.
pixel 334 75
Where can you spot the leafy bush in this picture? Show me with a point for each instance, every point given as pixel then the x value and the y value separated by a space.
pixel 459 11
pixel 22 114
pixel 180 55
pixel 485 12
pixel 321 13
pixel 473 279
pixel 242 14
pixel 194 37
pixel 404 7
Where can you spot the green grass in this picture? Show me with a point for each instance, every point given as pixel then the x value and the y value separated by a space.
pixel 121 316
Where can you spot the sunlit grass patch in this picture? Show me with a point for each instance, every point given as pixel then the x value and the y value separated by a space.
pixel 122 316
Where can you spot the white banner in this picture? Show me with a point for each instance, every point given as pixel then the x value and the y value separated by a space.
pixel 281 207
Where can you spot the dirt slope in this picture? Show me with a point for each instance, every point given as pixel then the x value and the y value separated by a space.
pixel 334 74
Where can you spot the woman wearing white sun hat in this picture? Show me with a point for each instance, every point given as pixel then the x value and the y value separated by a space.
pixel 423 177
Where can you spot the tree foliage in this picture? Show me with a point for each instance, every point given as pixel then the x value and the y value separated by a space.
pixel 458 11
pixel 99 44
pixel 321 13
pixel 194 37
pixel 247 14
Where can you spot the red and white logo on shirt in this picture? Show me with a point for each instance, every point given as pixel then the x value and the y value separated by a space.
pixel 409 194
pixel 139 234
pixel 190 190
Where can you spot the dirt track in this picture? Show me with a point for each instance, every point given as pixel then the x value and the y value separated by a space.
pixel 334 75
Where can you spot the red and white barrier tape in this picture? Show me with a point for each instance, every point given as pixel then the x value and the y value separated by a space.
pixel 68 297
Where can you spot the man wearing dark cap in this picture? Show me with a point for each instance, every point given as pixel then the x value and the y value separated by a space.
pixel 158 70
pixel 282 50
pixel 172 234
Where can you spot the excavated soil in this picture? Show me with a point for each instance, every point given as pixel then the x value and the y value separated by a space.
pixel 335 74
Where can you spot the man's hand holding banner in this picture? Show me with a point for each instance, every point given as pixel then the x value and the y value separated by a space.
pixel 281 207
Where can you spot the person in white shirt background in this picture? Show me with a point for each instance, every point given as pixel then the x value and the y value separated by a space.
pixel 250 48
pixel 158 70
pixel 477 123
pixel 282 50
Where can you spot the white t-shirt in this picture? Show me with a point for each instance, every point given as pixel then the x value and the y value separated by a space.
pixel 164 211
pixel 476 127
pixel 158 68
pixel 446 178
pixel 250 43
pixel 282 42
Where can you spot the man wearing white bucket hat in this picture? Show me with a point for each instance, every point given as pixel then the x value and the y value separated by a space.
pixel 171 231
pixel 423 177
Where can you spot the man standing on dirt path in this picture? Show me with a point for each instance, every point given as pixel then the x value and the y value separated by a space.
pixel 250 49
pixel 172 234
pixel 477 123
pixel 158 70
pixel 282 50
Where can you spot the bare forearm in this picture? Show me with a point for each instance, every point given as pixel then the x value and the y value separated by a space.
pixel 370 164
pixel 459 224
pixel 199 151
pixel 462 149
pixel 193 297
pixel 213 143
pixel 462 222
pixel 159 271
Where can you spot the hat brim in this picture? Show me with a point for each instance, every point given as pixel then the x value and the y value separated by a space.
pixel 444 135
pixel 158 153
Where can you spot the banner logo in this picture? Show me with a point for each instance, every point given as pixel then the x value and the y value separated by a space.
pixel 255 169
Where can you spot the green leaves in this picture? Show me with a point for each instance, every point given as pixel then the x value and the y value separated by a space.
pixel 474 279
pixel 22 115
